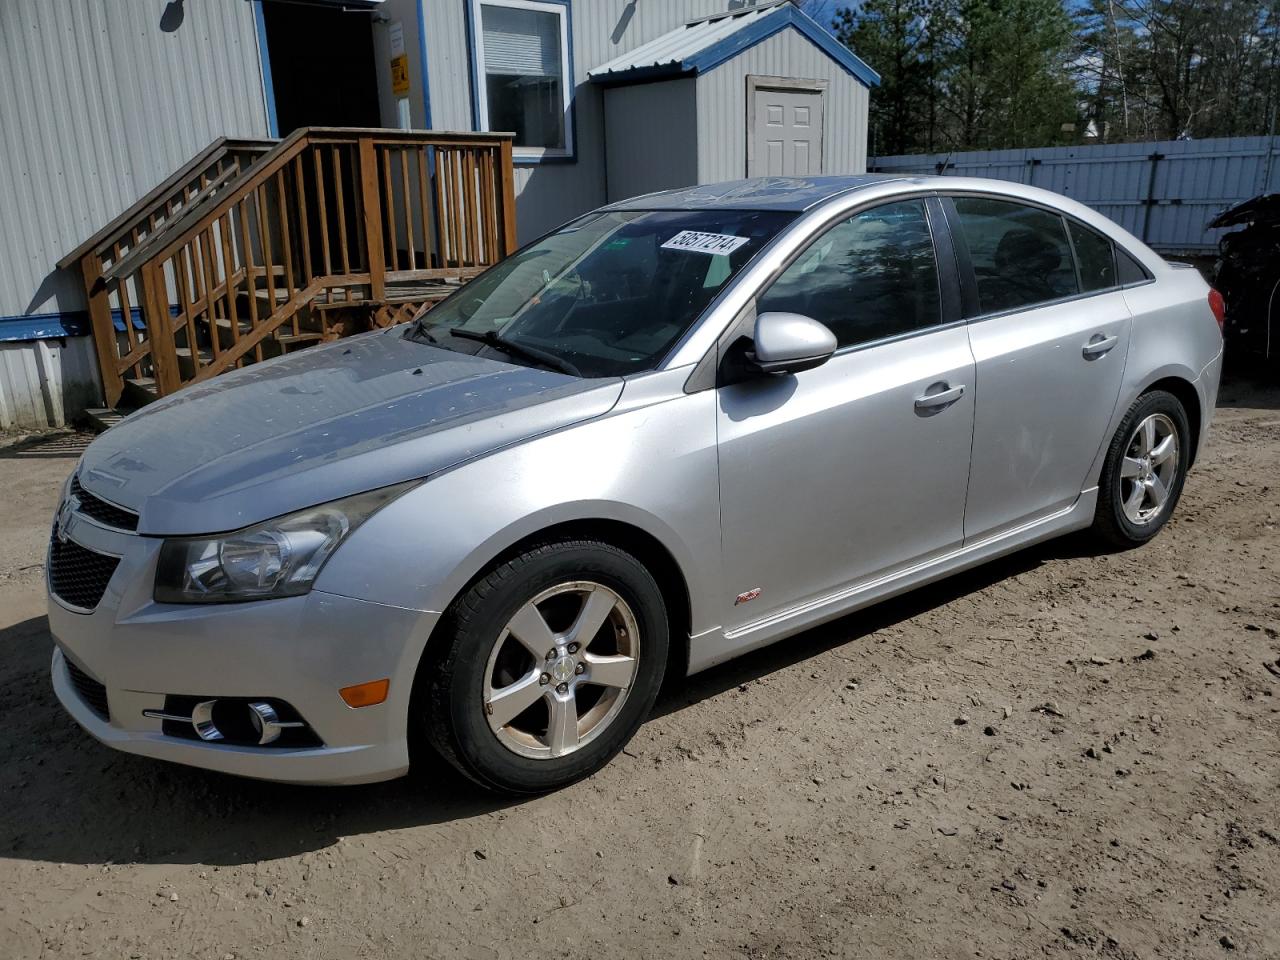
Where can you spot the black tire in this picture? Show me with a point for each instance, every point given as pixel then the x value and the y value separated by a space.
pixel 1111 524
pixel 449 697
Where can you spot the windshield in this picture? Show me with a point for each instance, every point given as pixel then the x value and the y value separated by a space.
pixel 607 295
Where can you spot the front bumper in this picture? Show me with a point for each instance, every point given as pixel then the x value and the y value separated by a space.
pixel 299 649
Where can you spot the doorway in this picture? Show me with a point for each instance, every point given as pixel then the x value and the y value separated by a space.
pixel 784 127
pixel 322 66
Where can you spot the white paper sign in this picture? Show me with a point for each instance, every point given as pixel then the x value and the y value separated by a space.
pixel 697 242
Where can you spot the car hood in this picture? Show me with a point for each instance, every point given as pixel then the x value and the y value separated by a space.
pixel 324 423
pixel 1264 208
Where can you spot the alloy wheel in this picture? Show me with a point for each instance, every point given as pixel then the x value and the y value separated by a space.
pixel 561 669
pixel 1149 469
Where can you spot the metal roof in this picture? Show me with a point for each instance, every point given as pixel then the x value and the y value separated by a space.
pixel 702 45
pixel 757 193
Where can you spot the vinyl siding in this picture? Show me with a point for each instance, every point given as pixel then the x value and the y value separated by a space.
pixel 97 105
pixel 722 111
pixel 550 193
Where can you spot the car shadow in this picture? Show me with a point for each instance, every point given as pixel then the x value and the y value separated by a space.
pixel 72 800
pixel 863 623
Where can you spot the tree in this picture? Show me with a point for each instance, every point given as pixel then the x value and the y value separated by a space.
pixel 1183 68
pixel 891 34
pixel 985 74
pixel 964 74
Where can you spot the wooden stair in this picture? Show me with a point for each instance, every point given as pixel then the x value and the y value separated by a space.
pixel 254 250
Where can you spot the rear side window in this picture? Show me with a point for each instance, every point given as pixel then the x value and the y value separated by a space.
pixel 1095 257
pixel 867 278
pixel 1130 270
pixel 1020 254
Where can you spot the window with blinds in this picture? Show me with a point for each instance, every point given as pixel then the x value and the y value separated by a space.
pixel 524 73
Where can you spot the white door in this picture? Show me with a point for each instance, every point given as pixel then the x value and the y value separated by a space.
pixel 787 137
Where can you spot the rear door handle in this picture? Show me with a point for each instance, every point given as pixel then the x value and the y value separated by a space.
pixel 936 401
pixel 1098 345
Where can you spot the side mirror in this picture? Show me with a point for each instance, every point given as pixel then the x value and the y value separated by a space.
pixel 791 342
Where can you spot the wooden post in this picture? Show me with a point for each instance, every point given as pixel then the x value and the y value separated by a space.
pixel 155 311
pixel 370 208
pixel 507 174
pixel 104 331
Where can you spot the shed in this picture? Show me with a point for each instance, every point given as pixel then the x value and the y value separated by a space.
pixel 760 91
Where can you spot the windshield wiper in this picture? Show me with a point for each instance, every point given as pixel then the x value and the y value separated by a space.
pixel 418 329
pixel 491 338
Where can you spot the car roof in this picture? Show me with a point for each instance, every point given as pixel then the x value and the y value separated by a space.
pixel 758 193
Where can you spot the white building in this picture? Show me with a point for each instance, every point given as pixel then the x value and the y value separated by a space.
pixel 100 100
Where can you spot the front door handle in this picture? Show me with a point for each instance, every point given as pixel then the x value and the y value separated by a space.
pixel 1098 345
pixel 936 401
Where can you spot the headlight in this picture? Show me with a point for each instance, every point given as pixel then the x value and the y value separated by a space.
pixel 279 558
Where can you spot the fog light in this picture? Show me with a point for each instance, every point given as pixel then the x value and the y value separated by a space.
pixel 365 694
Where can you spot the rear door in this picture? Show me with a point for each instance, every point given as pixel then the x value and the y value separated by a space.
pixel 1050 334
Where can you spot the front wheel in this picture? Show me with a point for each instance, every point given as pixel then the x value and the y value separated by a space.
pixel 1144 471
pixel 548 665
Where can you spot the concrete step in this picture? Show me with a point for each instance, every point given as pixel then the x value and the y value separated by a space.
pixel 102 419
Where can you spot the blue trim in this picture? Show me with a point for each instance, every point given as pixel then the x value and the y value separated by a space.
pixel 67 323
pixel 426 75
pixel 45 326
pixel 264 58
pixel 469 7
pixel 473 65
pixel 743 39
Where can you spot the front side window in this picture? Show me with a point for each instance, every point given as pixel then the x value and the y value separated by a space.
pixel 607 295
pixel 870 277
pixel 522 67
pixel 1020 254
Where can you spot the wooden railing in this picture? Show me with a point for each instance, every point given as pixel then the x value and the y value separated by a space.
pixel 329 225
pixel 115 309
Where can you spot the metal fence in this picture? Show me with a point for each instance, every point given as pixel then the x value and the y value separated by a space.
pixel 1165 192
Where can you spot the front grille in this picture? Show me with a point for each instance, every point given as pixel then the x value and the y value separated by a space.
pixel 91 691
pixel 78 576
pixel 100 510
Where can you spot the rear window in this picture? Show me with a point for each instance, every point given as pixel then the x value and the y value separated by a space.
pixel 1095 257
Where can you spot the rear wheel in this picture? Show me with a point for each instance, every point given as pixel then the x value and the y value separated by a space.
pixel 548 665
pixel 1145 468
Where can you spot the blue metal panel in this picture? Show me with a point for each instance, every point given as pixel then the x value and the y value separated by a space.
pixel 1163 191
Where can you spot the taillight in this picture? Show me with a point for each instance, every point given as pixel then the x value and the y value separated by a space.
pixel 1219 308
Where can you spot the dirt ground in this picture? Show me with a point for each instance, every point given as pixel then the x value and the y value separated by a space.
pixel 1063 754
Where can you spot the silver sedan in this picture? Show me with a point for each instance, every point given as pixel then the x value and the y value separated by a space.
pixel 674 430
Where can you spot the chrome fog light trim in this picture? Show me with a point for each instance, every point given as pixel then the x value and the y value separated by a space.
pixel 268 724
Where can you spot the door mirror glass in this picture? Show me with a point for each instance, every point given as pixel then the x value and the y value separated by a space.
pixel 791 342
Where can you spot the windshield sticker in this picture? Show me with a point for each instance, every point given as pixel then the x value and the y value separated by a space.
pixel 712 243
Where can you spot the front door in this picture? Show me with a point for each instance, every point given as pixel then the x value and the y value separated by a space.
pixel 850 471
pixel 786 133
pixel 1050 339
